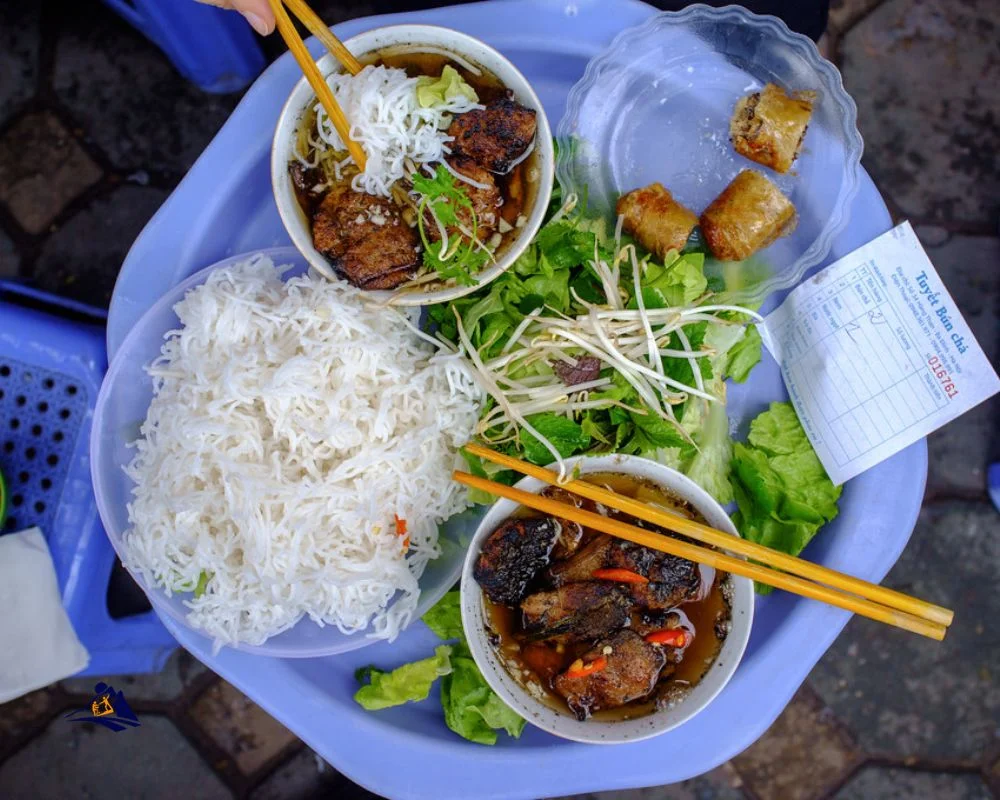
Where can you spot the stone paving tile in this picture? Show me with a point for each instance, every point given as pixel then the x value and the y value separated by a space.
pixel 886 783
pixel 803 753
pixel 20 33
pixel 42 169
pixel 250 736
pixel 10 260
pixel 306 775
pixel 925 77
pixel 181 671
pixel 960 452
pixel 128 97
pixel 906 696
pixel 722 783
pixel 23 714
pixel 80 760
pixel 83 257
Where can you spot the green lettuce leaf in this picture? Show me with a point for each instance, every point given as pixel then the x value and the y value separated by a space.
pixel 471 708
pixel 744 355
pixel 678 283
pixel 565 434
pixel 408 683
pixel 710 466
pixel 782 492
pixel 438 91
pixel 445 617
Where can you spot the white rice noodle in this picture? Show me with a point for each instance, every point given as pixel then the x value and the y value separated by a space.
pixel 464 178
pixel 389 124
pixel 520 158
pixel 290 422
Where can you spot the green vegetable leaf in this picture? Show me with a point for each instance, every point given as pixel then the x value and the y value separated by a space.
pixel 408 683
pixel 678 283
pixel 459 257
pixel 438 91
pixel 744 355
pixel 203 580
pixel 471 708
pixel 565 245
pixel 782 491
pixel 445 617
pixel 710 466
pixel 566 435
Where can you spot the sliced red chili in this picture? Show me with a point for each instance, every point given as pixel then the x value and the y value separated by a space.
pixel 619 576
pixel 674 637
pixel 579 669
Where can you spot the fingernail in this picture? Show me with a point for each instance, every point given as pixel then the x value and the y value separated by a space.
pixel 257 22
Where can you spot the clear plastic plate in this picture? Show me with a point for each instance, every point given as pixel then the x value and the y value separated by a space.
pixel 656 105
pixel 121 408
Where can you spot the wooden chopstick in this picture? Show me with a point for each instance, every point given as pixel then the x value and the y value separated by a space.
pixel 317 28
pixel 712 558
pixel 708 535
pixel 316 80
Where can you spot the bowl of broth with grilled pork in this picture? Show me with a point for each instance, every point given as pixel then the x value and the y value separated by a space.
pixel 458 174
pixel 594 638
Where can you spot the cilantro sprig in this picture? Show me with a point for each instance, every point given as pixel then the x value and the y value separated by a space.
pixel 463 256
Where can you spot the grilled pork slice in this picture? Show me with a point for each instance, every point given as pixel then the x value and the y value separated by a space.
pixel 486 201
pixel 513 555
pixel 672 580
pixel 494 136
pixel 571 537
pixel 365 238
pixel 630 672
pixel 652 216
pixel 575 612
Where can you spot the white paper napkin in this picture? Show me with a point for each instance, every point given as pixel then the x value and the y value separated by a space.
pixel 39 645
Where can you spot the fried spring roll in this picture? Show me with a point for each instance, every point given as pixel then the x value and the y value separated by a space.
pixel 768 126
pixel 750 213
pixel 652 216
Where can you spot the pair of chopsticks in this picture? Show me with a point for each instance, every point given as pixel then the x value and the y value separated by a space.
pixel 336 48
pixel 797 575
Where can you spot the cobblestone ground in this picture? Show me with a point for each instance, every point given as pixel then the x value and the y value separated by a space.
pixel 883 715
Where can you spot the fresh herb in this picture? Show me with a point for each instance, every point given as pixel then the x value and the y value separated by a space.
pixel 471 708
pixel 783 493
pixel 574 264
pixel 444 207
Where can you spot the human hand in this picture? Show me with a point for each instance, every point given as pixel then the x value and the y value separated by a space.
pixel 257 12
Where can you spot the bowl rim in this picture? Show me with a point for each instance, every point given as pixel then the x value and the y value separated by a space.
pixel 616 56
pixel 594 731
pixel 464 45
pixel 158 598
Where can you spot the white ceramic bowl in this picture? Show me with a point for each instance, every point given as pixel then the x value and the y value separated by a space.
pixel 412 38
pixel 563 723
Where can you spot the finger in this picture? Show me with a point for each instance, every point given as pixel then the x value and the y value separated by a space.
pixel 258 13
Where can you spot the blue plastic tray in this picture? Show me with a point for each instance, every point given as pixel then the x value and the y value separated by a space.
pixel 224 206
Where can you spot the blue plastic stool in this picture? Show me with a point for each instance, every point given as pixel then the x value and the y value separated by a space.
pixel 50 372
pixel 213 48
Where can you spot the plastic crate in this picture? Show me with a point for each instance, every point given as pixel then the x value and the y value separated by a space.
pixel 214 49
pixel 51 367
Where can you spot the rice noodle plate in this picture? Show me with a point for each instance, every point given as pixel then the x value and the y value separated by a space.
pixel 388 122
pixel 296 457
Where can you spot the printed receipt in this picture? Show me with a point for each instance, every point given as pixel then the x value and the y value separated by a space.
pixel 875 354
